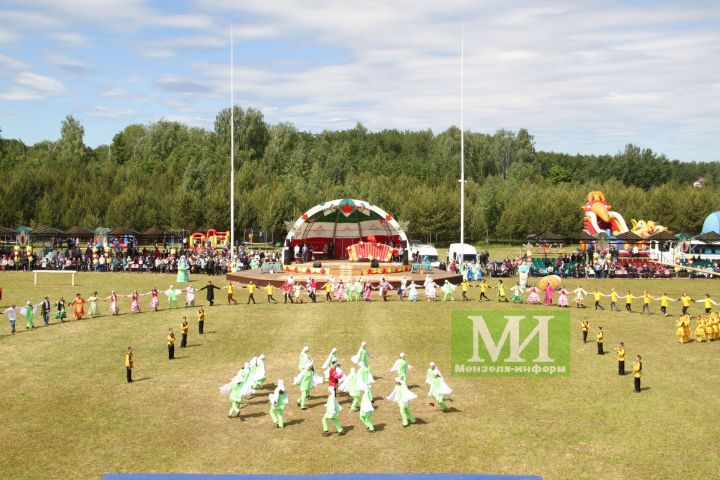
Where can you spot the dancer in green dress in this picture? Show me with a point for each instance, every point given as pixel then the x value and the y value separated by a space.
pixel 278 400
pixel 402 396
pixel 362 356
pixel 447 289
pixel 439 390
pixel 332 410
pixel 304 358
pixel 353 385
pixel 401 366
pixel 366 410
pixel 306 380
pixel 29 313
pixel 172 297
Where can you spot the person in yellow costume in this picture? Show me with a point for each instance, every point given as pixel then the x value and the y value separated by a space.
pixel 708 328
pixel 707 303
pixel 597 295
pixel 686 324
pixel 686 301
pixel 585 329
pixel 613 300
pixel 628 301
pixel 464 286
pixel 637 373
pixel 715 321
pixel 700 329
pixel 665 302
pixel 483 289
pixel 646 298
pixel 680 331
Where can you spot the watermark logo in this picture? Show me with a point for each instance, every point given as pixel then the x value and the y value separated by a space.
pixel 510 343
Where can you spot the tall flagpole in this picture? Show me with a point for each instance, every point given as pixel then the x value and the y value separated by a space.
pixel 232 151
pixel 462 142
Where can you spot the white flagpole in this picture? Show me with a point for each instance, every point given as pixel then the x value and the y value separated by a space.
pixel 462 143
pixel 232 151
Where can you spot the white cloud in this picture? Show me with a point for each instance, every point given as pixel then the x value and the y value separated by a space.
pixel 121 15
pixel 31 86
pixel 7 36
pixel 67 64
pixel 70 38
pixel 109 112
pixel 11 63
pixel 177 105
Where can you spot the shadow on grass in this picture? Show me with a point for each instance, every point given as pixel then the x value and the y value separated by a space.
pixel 193 345
pixel 453 410
pixel 642 389
pixel 252 415
pixel 141 379
pixel 295 421
pixel 380 427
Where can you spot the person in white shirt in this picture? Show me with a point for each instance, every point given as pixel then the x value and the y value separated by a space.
pixel 12 316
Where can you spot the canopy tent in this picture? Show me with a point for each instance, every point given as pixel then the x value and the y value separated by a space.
pixel 582 236
pixel 629 237
pixel 43 231
pixel 80 232
pixel 546 237
pixel 152 234
pixel 333 226
pixel 663 237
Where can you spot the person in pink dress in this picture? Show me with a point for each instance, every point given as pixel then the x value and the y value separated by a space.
pixel 154 300
pixel 563 300
pixel 549 292
pixel 135 305
pixel 534 297
pixel 367 291
pixel 340 291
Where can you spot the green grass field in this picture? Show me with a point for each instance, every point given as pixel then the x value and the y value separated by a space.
pixel 67 412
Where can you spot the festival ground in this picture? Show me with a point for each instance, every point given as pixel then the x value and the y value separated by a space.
pixel 67 412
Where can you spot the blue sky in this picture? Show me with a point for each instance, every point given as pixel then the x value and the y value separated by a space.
pixel 583 77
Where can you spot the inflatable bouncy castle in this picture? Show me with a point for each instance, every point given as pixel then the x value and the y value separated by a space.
pixel 599 216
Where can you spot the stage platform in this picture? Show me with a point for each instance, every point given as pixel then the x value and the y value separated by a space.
pixel 342 270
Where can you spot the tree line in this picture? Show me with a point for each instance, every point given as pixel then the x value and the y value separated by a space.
pixel 172 176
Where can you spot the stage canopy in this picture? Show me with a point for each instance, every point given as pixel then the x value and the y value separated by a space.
pixel 333 226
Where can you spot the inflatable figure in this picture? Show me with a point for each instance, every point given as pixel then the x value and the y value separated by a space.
pixel 645 228
pixel 599 216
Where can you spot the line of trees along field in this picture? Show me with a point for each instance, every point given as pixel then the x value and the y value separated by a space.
pixel 172 176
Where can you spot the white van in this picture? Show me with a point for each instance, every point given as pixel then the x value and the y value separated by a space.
pixel 419 252
pixel 468 252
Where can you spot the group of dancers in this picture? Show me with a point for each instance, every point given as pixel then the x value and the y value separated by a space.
pixel 707 328
pixel 88 307
pixel 357 383
pixel 580 294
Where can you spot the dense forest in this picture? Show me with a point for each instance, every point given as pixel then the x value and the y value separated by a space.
pixel 172 176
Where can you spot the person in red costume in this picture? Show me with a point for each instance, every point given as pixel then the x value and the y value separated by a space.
pixel 335 375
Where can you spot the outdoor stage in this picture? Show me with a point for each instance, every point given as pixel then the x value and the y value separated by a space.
pixel 341 270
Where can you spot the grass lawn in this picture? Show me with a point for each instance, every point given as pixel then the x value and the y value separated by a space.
pixel 67 412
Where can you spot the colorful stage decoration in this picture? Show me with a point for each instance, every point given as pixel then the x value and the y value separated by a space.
pixel 369 251
pixel 599 216
pixel 330 228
